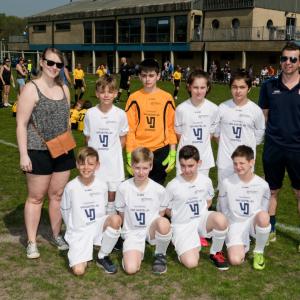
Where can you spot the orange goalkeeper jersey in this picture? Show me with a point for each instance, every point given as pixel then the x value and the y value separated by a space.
pixel 150 119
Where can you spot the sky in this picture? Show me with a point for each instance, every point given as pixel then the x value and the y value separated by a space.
pixel 25 8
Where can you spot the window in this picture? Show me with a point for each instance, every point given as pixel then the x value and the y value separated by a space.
pixel 105 31
pixel 63 27
pixel 157 30
pixel 235 23
pixel 130 31
pixel 215 24
pixel 180 28
pixel 270 24
pixel 87 28
pixel 39 28
pixel 197 28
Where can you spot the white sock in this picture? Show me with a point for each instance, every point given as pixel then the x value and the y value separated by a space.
pixel 217 240
pixel 110 238
pixel 110 208
pixel 162 242
pixel 261 236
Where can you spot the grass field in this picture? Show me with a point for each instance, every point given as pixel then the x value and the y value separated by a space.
pixel 49 277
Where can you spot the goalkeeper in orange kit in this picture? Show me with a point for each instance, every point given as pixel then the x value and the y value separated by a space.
pixel 150 112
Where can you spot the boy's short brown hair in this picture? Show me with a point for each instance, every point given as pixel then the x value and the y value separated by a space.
pixel 141 154
pixel 243 151
pixel 106 80
pixel 86 152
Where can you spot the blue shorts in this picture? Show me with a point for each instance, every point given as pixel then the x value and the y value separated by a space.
pixel 275 161
pixel 21 81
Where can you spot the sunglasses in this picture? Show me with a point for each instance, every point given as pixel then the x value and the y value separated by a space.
pixel 51 63
pixel 292 59
pixel 7 61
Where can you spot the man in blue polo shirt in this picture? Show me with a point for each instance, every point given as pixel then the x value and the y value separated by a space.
pixel 280 100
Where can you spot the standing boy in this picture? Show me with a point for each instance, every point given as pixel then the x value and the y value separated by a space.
pixel 79 82
pixel 105 128
pixel 83 209
pixel 190 194
pixel 244 200
pixel 241 123
pixel 150 112
pixel 141 203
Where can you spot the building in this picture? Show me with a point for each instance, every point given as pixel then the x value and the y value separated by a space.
pixel 187 32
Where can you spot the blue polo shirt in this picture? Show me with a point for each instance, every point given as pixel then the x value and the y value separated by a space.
pixel 283 125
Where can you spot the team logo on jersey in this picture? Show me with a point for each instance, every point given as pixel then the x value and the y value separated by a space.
pixel 140 217
pixel 198 133
pixel 237 131
pixel 151 122
pixel 194 208
pixel 244 208
pixel 103 140
pixel 90 214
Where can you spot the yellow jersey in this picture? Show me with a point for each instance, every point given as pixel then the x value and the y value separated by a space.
pixel 78 74
pixel 177 75
pixel 81 117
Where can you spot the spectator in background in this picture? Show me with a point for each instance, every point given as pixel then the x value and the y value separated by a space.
pixel 6 79
pixel 21 73
pixel 124 79
pixel 79 83
pixel 271 71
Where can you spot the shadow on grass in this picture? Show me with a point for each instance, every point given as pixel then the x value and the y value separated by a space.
pixel 14 222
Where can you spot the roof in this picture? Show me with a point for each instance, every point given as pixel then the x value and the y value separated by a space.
pixel 95 8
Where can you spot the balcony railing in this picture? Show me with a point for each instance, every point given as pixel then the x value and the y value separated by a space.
pixel 248 34
pixel 229 4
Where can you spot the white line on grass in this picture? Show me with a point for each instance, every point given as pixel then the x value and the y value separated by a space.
pixel 8 144
pixel 289 228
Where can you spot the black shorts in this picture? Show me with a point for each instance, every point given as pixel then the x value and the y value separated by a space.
pixel 78 84
pixel 124 85
pixel 176 82
pixel 44 164
pixel 158 173
pixel 275 161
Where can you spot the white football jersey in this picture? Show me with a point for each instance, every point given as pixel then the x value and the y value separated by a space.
pixel 239 201
pixel 196 124
pixel 188 200
pixel 104 131
pixel 239 125
pixel 82 205
pixel 140 208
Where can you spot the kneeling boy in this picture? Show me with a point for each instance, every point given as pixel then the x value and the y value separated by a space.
pixel 189 196
pixel 141 203
pixel 244 199
pixel 83 209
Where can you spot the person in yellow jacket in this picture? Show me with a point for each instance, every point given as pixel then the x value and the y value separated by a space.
pixel 74 113
pixel 176 79
pixel 150 113
pixel 78 81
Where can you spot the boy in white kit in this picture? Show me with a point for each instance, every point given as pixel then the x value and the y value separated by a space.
pixel 83 209
pixel 241 123
pixel 141 203
pixel 105 128
pixel 244 200
pixel 196 120
pixel 189 196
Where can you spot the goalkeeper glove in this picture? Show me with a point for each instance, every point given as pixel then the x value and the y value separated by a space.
pixel 128 164
pixel 170 161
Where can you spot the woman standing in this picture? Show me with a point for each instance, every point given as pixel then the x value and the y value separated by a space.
pixel 43 114
pixel 7 78
pixel 21 74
